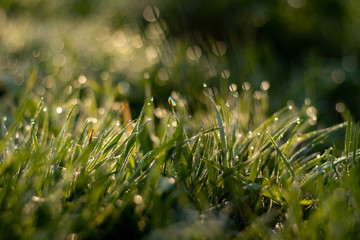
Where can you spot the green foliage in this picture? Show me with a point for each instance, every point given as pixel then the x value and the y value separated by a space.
pixel 239 176
pixel 212 164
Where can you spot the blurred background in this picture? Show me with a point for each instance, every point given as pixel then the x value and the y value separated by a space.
pixel 290 51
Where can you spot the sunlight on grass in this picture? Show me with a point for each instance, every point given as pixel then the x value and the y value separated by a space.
pixel 125 120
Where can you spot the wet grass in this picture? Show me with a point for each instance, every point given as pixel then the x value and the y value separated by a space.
pixel 70 171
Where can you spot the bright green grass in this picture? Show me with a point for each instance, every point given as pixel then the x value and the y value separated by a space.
pixel 228 172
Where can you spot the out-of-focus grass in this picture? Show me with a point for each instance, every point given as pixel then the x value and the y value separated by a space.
pixel 295 45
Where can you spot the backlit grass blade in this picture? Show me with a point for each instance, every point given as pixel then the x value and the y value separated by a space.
pixel 281 155
pixel 347 142
pixel 355 143
pixel 221 126
pixel 18 118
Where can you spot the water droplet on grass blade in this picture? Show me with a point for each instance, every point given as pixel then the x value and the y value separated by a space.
pixel 171 180
pixel 233 87
pixel 205 85
pixel 172 101
pixel 138 199
pixel 265 85
pixel 59 110
pixel 225 74
pixel 246 86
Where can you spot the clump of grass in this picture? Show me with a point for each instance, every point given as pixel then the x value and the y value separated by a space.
pixel 235 174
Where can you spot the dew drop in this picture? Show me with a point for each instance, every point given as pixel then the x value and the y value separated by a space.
pixel 233 87
pixel 252 148
pixel 146 75
pixel 138 199
pixel 239 135
pixel 265 85
pixel 152 99
pixel 318 156
pixel 171 180
pixel 45 109
pixel 225 74
pixel 101 111
pixel 168 125
pixel 250 132
pixel 205 85
pixel 82 79
pixel 4 119
pixel 246 86
pixel 59 110
pixel 258 134
pixel 276 119
pixel 172 101
pixel 227 104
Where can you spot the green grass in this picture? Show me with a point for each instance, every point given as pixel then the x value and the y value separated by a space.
pixel 215 162
pixel 226 172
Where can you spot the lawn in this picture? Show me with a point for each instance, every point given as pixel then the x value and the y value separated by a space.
pixel 174 121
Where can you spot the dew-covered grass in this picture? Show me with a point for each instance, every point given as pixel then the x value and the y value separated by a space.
pixel 68 171
pixel 129 119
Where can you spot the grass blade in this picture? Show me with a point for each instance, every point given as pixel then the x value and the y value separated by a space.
pixel 282 156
